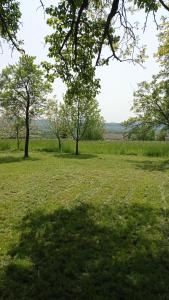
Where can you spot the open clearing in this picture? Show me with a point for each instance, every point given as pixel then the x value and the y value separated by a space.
pixel 90 227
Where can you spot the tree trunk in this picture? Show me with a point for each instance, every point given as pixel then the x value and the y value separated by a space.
pixel 77 147
pixel 17 138
pixel 60 144
pixel 26 155
pixel 77 129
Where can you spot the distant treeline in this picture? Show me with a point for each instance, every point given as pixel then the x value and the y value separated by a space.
pixel 43 128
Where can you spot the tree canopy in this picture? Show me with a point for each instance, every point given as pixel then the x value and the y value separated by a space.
pixel 93 23
pixel 102 29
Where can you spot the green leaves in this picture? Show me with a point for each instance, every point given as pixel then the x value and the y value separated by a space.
pixel 82 29
pixel 9 21
pixel 23 92
pixel 147 5
pixel 22 81
pixel 151 100
pixel 163 49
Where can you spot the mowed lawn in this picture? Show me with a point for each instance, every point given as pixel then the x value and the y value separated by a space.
pixel 92 227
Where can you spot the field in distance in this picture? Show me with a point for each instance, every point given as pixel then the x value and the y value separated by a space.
pixel 93 226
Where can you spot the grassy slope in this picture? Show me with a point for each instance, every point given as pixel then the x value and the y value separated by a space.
pixel 92 227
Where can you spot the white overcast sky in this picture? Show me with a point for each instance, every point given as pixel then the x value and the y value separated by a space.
pixel 118 80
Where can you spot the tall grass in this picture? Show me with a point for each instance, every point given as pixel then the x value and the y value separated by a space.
pixel 152 148
pixel 6 145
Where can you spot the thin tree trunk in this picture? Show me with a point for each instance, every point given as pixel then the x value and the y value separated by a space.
pixel 77 147
pixel 17 138
pixel 77 130
pixel 60 144
pixel 26 154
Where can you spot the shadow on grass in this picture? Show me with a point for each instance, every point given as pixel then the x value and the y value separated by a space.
pixel 48 150
pixel 149 165
pixel 73 156
pixel 69 255
pixel 13 159
pixel 67 154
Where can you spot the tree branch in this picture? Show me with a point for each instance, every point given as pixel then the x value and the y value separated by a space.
pixel 82 8
pixel 164 5
pixel 112 13
pixel 69 32
pixel 10 37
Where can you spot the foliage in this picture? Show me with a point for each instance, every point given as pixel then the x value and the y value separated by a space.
pixel 163 49
pixel 80 107
pixel 86 27
pixel 66 65
pixel 10 125
pixel 23 91
pixel 151 103
pixel 95 128
pixel 143 133
pixel 5 128
pixel 161 135
pixel 57 127
pixel 80 31
pixel 9 21
pixel 136 129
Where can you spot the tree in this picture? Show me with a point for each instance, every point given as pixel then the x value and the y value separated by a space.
pixel 136 129
pixel 80 107
pixel 5 126
pixel 55 118
pixel 11 127
pixel 161 135
pixel 24 89
pixel 95 128
pixel 17 125
pixel 151 100
pixel 16 122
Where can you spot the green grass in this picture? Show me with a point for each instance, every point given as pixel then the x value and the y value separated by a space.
pixel 152 148
pixel 88 227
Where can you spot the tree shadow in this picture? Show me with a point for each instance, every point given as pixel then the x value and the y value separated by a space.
pixel 49 149
pixel 74 156
pixel 150 165
pixel 13 159
pixel 68 254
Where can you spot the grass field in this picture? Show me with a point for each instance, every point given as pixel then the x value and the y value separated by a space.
pixel 92 227
pixel 152 148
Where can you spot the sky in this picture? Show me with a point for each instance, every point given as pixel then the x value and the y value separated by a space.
pixel 118 80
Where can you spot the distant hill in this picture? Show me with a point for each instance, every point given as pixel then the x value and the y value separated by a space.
pixel 114 128
pixel 42 126
pixel 113 131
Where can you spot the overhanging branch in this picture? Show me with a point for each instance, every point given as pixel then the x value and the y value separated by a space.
pixel 112 13
pixel 164 5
